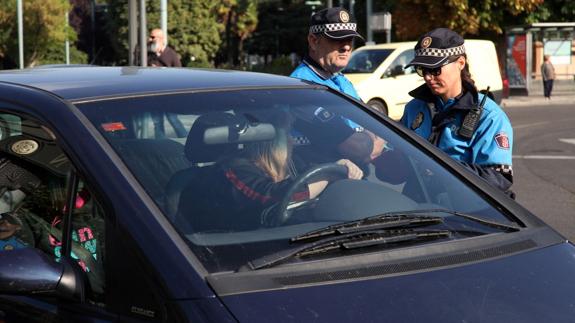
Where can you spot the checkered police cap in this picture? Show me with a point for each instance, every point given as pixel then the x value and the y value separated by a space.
pixel 436 46
pixel 335 23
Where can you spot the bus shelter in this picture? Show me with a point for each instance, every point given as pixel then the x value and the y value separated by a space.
pixel 526 46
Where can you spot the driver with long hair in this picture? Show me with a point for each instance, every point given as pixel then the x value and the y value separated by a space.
pixel 251 184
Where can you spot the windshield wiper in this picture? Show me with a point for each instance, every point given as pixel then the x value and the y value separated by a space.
pixel 348 242
pixel 378 222
pixel 493 224
pixel 396 220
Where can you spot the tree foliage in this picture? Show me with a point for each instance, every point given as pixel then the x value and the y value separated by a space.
pixel 239 19
pixel 44 33
pixel 413 18
pixel 554 11
pixel 193 30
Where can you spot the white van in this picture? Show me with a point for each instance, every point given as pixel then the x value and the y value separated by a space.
pixel 377 73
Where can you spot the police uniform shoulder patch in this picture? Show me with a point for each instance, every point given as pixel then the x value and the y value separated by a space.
pixel 502 140
pixel 426 42
pixel 417 121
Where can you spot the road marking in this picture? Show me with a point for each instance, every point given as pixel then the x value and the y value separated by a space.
pixel 530 125
pixel 568 140
pixel 542 157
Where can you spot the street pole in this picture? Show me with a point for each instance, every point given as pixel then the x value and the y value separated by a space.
pixel 67 41
pixel 164 19
pixel 132 31
pixel 93 30
pixel 20 34
pixel 329 3
pixel 368 9
pixel 351 7
pixel 143 34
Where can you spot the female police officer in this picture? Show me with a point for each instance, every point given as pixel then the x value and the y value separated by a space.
pixel 452 115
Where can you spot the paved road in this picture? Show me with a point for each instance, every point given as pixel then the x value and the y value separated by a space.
pixel 544 161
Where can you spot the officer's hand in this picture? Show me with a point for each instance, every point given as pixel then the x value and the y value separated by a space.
pixel 353 171
pixel 378 145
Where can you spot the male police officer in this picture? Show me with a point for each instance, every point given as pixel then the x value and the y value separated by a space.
pixel 330 39
pixel 329 48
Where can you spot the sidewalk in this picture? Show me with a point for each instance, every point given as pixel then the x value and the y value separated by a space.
pixel 563 93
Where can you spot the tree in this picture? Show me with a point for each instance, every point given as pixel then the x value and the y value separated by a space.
pixel 282 28
pixel 240 19
pixel 412 18
pixel 555 11
pixel 193 30
pixel 45 33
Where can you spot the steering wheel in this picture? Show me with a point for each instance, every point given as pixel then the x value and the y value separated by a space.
pixel 318 172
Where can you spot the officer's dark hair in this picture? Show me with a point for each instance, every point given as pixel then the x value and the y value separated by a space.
pixel 466 75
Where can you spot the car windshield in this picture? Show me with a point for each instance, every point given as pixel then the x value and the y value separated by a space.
pixel 230 169
pixel 366 61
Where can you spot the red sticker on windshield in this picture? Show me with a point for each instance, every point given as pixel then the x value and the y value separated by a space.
pixel 502 140
pixel 113 126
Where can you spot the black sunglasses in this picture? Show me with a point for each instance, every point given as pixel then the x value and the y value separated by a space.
pixel 422 71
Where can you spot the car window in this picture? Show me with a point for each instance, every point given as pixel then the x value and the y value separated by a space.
pixel 366 61
pixel 399 63
pixel 34 194
pixel 239 185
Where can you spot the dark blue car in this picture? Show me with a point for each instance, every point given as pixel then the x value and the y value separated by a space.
pixel 178 195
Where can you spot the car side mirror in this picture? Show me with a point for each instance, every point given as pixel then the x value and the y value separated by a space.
pixel 30 271
pixel 395 71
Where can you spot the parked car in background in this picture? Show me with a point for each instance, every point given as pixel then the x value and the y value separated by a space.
pixel 378 73
pixel 106 219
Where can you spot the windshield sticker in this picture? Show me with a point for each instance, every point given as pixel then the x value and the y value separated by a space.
pixel 113 126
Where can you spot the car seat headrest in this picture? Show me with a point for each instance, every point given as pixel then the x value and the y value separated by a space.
pixel 215 134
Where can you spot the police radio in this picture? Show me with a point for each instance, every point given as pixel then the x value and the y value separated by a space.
pixel 472 119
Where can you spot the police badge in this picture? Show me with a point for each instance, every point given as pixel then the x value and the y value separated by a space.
pixel 417 121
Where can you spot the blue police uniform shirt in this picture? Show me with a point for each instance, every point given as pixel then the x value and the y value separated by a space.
pixel 491 143
pixel 309 70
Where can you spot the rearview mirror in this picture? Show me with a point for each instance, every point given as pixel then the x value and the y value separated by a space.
pixel 29 271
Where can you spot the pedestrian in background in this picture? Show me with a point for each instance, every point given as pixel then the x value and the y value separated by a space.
pixel 161 55
pixel 548 75
pixel 450 113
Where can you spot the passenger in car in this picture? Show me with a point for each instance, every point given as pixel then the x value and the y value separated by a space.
pixel 36 220
pixel 450 113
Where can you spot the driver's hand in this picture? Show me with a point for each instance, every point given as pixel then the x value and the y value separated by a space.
pixel 353 171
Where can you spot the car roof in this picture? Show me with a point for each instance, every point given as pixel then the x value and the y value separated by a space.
pixel 76 83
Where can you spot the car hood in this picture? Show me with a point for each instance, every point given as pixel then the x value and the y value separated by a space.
pixel 356 78
pixel 536 286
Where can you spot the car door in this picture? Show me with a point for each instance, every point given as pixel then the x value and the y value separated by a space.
pixel 51 206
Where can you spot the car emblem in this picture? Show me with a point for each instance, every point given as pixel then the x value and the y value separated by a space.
pixel 343 16
pixel 24 147
pixel 417 121
pixel 425 42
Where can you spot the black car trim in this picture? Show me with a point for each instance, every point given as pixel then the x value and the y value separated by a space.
pixel 387 263
pixel 191 91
